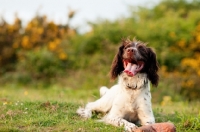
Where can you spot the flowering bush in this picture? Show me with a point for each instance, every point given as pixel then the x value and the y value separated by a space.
pixel 41 64
pixel 45 49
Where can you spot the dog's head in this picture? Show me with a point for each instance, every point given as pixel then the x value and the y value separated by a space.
pixel 136 52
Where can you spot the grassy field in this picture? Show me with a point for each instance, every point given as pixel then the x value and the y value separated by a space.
pixel 53 109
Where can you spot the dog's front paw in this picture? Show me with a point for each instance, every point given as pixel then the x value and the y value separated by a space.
pixel 130 127
pixel 84 112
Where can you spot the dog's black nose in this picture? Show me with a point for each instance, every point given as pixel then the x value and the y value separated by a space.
pixel 130 51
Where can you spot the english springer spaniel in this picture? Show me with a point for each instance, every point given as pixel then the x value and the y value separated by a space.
pixel 129 101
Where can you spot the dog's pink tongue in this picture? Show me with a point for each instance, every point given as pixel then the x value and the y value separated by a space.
pixel 131 69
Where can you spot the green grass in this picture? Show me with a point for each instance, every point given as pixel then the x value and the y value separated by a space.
pixel 53 109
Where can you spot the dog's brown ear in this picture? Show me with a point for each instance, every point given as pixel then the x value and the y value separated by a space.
pixel 117 64
pixel 152 72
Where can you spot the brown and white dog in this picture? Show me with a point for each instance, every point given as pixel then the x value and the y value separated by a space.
pixel 129 101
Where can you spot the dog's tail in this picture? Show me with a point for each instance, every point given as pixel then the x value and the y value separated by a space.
pixel 103 90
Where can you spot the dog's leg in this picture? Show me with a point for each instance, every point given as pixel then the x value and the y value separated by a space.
pixel 86 113
pixel 103 104
pixel 145 113
pixel 117 121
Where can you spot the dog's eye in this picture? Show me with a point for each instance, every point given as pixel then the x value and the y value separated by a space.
pixel 127 46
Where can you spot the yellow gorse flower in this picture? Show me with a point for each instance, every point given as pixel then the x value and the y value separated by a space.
pixel 26 42
pixel 62 56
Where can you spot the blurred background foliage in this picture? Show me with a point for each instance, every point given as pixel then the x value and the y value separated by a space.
pixel 45 52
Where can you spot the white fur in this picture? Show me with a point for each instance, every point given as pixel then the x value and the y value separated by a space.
pixel 125 103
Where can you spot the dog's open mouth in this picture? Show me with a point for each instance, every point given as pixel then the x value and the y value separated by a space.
pixel 133 68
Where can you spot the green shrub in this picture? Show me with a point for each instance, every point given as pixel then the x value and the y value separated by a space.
pixel 41 63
